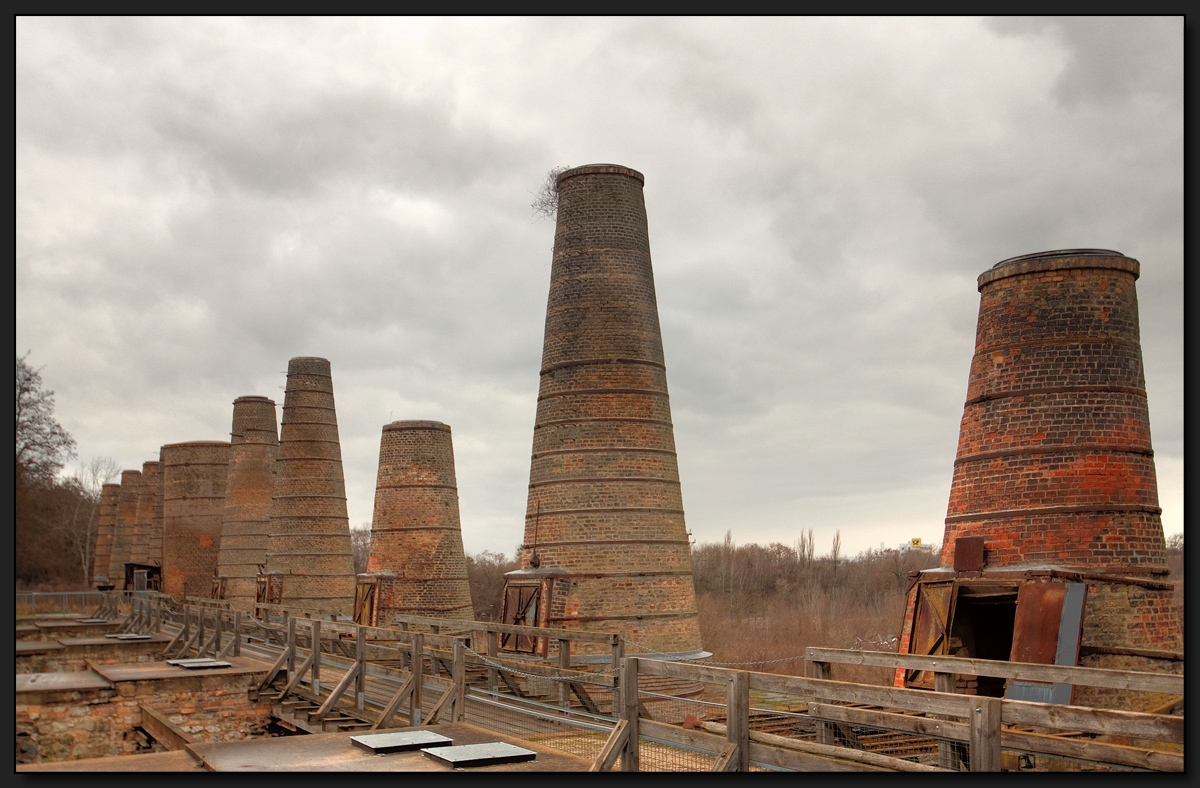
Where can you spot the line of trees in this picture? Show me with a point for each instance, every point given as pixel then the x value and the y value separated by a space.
pixel 55 516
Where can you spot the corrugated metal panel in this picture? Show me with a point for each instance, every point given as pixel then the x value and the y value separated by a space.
pixel 1047 630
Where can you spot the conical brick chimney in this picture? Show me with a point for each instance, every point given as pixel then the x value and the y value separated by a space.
pixel 416 539
pixel 124 526
pixel 605 508
pixel 250 484
pixel 310 529
pixel 106 519
pixel 193 500
pixel 139 552
pixel 1055 471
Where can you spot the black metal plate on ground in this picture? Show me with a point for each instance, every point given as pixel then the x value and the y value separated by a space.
pixel 129 637
pixel 202 665
pixel 486 754
pixel 92 620
pixel 382 743
pixel 189 661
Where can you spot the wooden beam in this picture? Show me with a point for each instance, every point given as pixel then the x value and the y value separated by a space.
pixel 393 705
pixel 826 751
pixel 729 758
pixel 338 691
pixel 1136 724
pixel 612 748
pixel 1067 674
pixel 163 731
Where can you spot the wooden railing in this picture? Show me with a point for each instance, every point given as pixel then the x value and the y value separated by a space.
pixel 972 722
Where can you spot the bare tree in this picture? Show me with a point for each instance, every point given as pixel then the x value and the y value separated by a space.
pixel 360 546
pixel 79 511
pixel 42 443
pixel 835 552
pixel 545 203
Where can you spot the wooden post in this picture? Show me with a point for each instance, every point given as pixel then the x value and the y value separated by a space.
pixel 985 735
pixel 237 633
pixel 459 677
pixel 291 646
pixel 629 703
pixel 360 654
pixel 493 650
pixel 564 661
pixel 737 730
pixel 418 669
pixel 219 624
pixel 825 731
pixel 618 653
pixel 200 630
pixel 944 682
pixel 316 666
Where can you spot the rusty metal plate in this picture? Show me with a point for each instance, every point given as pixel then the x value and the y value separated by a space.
pixel 1035 630
pixel 486 754
pixel 932 620
pixel 968 554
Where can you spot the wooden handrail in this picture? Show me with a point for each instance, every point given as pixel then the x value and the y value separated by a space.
pixel 1090 677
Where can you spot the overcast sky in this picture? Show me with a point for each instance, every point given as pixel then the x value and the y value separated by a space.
pixel 200 200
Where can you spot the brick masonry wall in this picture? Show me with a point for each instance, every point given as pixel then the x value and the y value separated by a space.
pixel 249 486
pixel 71 725
pixel 76 658
pixel 309 543
pixel 123 525
pixel 155 551
pixel 604 494
pixel 1054 460
pixel 416 535
pixel 193 500
pixel 105 523
pixel 139 551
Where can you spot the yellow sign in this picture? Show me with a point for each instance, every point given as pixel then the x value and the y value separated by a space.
pixel 916 541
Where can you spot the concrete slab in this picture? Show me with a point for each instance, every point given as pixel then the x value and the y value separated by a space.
pixel 334 752
pixel 38 646
pixel 60 682
pixel 142 671
pixel 178 761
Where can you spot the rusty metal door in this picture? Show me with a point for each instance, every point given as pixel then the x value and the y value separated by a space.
pixel 1047 629
pixel 520 607
pixel 932 619
pixel 139 580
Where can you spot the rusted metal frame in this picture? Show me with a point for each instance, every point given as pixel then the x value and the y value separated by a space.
pixel 1091 677
pixel 630 709
pixel 612 748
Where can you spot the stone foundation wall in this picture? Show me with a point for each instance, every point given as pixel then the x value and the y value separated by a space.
pixel 98 723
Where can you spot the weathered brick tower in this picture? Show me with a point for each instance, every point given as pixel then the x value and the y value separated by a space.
pixel 124 525
pixel 605 541
pixel 417 565
pixel 309 546
pixel 139 552
pixel 154 553
pixel 249 486
pixel 1054 484
pixel 106 519
pixel 193 500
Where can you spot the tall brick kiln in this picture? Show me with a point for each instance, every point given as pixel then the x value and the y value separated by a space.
pixel 417 566
pixel 106 519
pixel 139 552
pixel 1053 548
pixel 124 525
pixel 154 553
pixel 249 486
pixel 193 500
pixel 605 547
pixel 309 558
